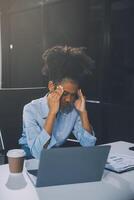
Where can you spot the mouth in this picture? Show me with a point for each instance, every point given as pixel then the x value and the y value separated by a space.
pixel 67 107
pixel 66 104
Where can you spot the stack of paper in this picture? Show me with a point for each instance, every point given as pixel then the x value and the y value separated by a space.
pixel 120 163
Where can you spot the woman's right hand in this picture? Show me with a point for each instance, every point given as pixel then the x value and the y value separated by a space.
pixel 54 99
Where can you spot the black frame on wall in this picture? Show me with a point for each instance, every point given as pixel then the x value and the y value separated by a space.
pixel 72 22
pixel 30 27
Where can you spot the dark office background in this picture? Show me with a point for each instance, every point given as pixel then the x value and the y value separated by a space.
pixel 105 27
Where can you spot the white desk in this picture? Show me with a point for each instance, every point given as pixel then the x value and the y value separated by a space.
pixel 112 187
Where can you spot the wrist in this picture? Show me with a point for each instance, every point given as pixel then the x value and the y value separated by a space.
pixel 83 111
pixel 52 113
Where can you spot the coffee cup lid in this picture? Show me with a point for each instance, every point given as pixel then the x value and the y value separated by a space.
pixel 16 153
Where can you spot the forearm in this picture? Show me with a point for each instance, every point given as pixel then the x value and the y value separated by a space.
pixel 53 103
pixel 49 122
pixel 85 121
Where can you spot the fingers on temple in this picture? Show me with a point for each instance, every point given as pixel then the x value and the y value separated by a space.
pixel 59 90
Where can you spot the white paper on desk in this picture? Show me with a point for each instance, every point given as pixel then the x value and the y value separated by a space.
pixel 120 162
pixel 31 166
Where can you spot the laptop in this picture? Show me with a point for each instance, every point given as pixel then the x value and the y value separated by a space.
pixel 60 166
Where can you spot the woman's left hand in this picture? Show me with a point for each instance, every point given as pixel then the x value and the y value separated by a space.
pixel 80 103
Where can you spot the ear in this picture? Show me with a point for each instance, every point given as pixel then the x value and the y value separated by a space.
pixel 51 86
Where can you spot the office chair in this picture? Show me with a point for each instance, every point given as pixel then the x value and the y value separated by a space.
pixel 2 150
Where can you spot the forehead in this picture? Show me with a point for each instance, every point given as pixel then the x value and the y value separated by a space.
pixel 70 86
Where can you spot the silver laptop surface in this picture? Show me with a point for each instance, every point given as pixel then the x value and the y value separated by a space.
pixel 59 166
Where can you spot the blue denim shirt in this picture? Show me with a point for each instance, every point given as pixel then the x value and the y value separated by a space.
pixel 34 136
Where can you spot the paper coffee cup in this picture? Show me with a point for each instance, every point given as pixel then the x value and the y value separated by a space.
pixel 16 160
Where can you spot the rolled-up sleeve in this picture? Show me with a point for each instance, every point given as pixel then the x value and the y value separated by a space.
pixel 36 136
pixel 84 137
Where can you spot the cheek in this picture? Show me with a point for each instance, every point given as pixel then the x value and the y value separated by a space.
pixel 73 100
pixel 62 100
